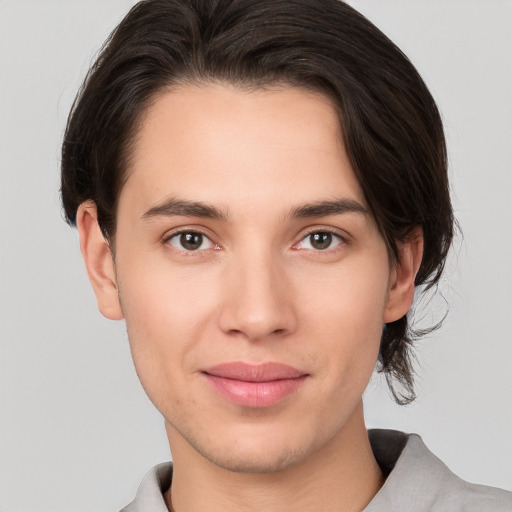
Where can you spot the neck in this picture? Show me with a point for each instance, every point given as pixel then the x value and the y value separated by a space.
pixel 343 475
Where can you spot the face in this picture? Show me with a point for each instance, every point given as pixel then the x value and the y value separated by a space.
pixel 252 277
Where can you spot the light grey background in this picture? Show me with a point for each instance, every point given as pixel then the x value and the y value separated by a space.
pixel 76 431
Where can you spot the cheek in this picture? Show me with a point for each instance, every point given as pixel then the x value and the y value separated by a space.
pixel 344 312
pixel 161 299
pixel 166 316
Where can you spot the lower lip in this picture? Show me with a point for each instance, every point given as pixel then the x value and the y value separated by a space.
pixel 255 394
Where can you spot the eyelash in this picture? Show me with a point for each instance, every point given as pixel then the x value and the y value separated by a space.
pixel 167 240
pixel 334 234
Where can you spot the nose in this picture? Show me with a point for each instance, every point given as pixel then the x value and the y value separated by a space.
pixel 258 299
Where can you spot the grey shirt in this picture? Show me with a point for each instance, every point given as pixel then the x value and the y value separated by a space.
pixel 416 481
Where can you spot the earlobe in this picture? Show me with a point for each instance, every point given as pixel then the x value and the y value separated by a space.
pixel 401 291
pixel 98 261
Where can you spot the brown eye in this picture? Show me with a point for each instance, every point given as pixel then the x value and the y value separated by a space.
pixel 320 241
pixel 190 241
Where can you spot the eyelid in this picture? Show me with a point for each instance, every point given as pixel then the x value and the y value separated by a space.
pixel 186 230
pixel 343 237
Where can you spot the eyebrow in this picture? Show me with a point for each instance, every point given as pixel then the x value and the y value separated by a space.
pixel 185 208
pixel 325 208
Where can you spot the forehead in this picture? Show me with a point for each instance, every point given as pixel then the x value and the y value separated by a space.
pixel 217 143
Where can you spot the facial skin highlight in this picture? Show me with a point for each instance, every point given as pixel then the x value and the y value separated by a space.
pixel 243 237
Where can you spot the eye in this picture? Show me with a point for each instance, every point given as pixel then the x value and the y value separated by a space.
pixel 190 241
pixel 320 241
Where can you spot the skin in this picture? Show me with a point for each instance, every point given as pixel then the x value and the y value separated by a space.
pixel 257 290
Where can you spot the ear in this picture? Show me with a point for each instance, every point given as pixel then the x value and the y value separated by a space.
pixel 401 291
pixel 99 261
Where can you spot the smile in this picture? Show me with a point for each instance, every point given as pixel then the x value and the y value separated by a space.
pixel 255 386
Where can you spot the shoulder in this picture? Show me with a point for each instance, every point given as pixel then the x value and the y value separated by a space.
pixel 418 481
pixel 480 498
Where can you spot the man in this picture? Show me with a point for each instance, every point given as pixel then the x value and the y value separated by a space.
pixel 259 187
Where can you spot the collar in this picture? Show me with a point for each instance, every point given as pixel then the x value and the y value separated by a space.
pixel 416 480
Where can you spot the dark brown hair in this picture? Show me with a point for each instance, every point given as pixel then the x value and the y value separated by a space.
pixel 391 126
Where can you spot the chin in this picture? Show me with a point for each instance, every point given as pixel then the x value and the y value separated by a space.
pixel 248 449
pixel 263 461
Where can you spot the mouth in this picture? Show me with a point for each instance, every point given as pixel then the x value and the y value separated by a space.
pixel 255 386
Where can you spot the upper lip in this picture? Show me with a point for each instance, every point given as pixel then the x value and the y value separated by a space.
pixel 247 372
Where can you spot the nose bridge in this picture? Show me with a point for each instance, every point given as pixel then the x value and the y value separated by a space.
pixel 258 299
